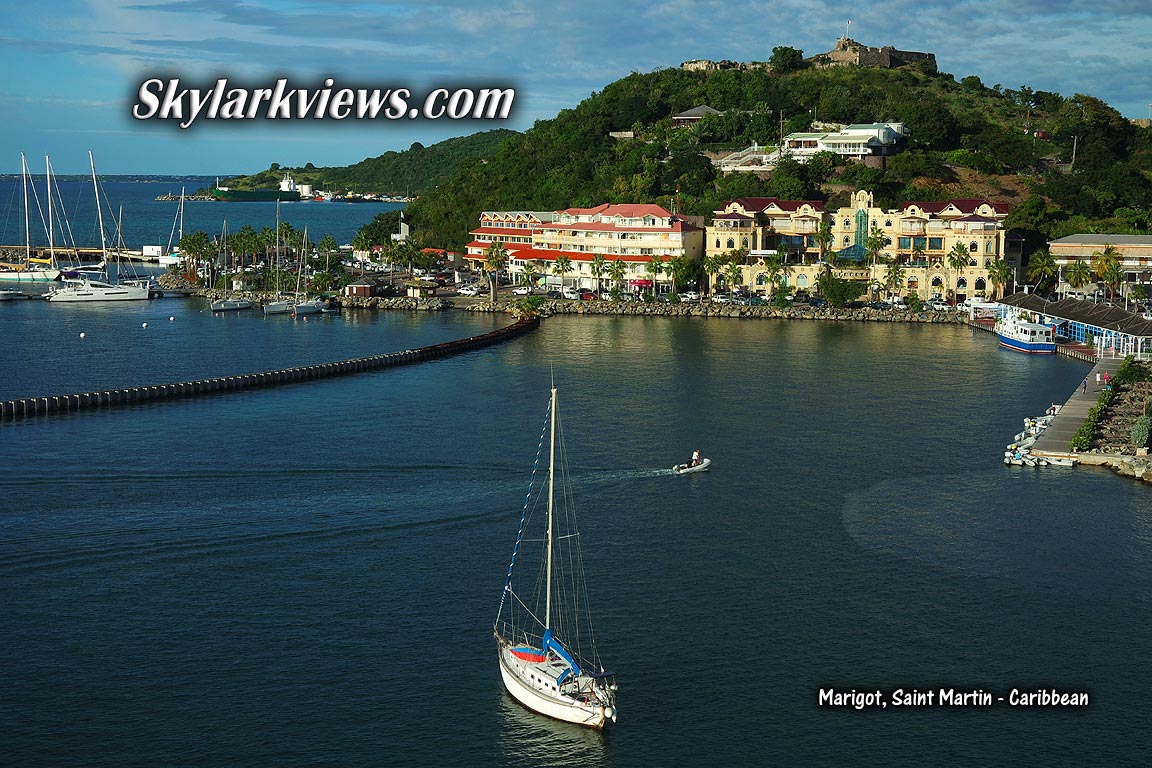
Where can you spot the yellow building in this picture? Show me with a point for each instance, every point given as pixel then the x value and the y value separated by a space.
pixel 919 236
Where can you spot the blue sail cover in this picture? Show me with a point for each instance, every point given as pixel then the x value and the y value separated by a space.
pixel 551 643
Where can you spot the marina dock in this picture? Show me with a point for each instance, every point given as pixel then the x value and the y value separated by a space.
pixel 1053 441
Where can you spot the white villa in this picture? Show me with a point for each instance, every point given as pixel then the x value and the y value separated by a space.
pixel 854 141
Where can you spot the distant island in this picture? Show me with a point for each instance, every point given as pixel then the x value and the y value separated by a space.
pixel 409 173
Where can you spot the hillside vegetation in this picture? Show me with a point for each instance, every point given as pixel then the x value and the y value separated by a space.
pixel 414 171
pixel 967 140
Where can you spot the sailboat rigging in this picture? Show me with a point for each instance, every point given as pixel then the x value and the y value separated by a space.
pixel 542 627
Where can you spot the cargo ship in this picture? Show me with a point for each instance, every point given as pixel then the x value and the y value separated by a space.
pixel 286 193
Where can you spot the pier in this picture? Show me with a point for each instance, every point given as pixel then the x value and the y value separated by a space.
pixel 40 406
pixel 1053 442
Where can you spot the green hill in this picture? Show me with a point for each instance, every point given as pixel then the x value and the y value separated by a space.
pixel 411 172
pixel 967 140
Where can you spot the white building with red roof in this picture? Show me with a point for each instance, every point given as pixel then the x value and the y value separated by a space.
pixel 634 235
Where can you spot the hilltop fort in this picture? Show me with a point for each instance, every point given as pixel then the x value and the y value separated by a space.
pixel 847 53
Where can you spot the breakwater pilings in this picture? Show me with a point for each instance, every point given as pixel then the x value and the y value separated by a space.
pixel 39 406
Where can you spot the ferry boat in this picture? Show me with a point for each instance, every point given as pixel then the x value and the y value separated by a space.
pixel 1030 338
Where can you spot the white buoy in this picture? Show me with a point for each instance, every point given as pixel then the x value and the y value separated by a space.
pixel 171 319
pixel 144 325
pixel 81 334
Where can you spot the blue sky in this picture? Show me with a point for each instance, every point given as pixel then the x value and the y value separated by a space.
pixel 72 74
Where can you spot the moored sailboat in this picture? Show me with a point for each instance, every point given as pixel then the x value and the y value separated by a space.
pixel 229 302
pixel 33 269
pixel 542 628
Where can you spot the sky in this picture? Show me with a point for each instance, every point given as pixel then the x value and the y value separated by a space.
pixel 73 75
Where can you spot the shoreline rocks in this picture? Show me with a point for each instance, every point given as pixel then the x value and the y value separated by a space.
pixel 572 307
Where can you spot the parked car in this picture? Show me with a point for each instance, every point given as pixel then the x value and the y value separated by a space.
pixel 471 290
pixel 522 290
pixel 815 301
pixel 554 294
pixel 570 293
pixel 936 305
pixel 587 295
pixel 690 296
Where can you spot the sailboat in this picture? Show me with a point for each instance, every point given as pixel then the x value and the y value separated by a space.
pixel 172 255
pixel 229 302
pixel 542 628
pixel 278 306
pixel 310 306
pixel 84 287
pixel 34 269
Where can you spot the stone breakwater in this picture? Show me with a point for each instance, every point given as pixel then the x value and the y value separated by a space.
pixel 39 406
pixel 548 308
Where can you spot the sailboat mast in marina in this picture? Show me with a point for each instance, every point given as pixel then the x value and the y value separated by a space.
pixel 541 647
pixel 33 269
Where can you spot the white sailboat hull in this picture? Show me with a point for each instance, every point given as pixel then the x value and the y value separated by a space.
pixel 560 708
pixel 29 275
pixel 314 307
pixel 279 307
pixel 225 305
pixel 95 290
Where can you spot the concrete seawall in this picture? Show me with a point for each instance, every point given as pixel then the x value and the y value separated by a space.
pixel 38 406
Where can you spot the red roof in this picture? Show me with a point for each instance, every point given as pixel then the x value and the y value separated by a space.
pixel 532 254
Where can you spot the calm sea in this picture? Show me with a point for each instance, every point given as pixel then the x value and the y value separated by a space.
pixel 308 575
pixel 147 221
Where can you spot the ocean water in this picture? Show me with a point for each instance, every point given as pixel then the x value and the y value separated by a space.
pixel 308 575
pixel 147 221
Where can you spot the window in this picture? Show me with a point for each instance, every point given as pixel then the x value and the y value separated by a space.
pixel 731 243
pixel 887 222
pixel 974 247
pixel 935 243
pixel 904 243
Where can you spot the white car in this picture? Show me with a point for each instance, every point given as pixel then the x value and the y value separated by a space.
pixel 522 290
pixel 938 306
pixel 570 293
pixel 690 295
pixel 470 290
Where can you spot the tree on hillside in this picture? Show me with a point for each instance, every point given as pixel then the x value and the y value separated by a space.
pixel 785 59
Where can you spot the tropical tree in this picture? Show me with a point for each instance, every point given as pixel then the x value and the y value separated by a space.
pixel 874 244
pixel 530 274
pixel 1102 264
pixel 616 271
pixel 1000 273
pixel 894 277
pixel 772 267
pixel 327 246
pixel 495 259
pixel 599 267
pixel 654 267
pixel 196 247
pixel 1113 277
pixel 919 255
pixel 713 266
pixel 1078 274
pixel 823 238
pixel 562 266
pixel 734 274
pixel 1041 267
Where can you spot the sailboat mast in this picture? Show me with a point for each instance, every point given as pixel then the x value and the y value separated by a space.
pixel 27 228
pixel 551 504
pixel 99 208
pixel 51 227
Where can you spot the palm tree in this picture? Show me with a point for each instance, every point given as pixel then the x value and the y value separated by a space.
pixel 894 277
pixel 530 274
pixel 654 267
pixel 616 271
pixel 495 259
pixel 874 244
pixel 562 266
pixel 1041 267
pixel 734 275
pixel 1113 277
pixel 772 267
pixel 1103 260
pixel 713 265
pixel 1078 274
pixel 823 237
pixel 327 246
pixel 1000 273
pixel 599 267
pixel 197 246
pixel 957 258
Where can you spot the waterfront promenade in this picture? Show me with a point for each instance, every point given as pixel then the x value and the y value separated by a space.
pixel 1054 441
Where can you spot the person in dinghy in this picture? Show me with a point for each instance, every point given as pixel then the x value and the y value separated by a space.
pixel 697 462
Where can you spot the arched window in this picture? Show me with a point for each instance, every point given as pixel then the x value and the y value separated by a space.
pixel 731 243
pixel 937 281
pixel 743 242
pixel 981 284
pixel 847 224
pixel 974 247
pixel 847 240
pixel 990 246
pixel 717 242
pixel 913 283
pixel 962 283
pixel 888 222
pixel 801 281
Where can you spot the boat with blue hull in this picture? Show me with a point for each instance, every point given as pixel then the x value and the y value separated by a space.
pixel 1030 338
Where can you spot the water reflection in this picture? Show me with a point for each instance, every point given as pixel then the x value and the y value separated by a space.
pixel 527 738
